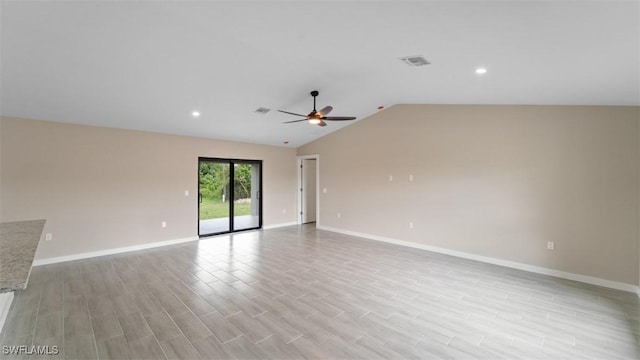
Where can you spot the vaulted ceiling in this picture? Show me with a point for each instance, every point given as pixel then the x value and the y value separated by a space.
pixel 149 65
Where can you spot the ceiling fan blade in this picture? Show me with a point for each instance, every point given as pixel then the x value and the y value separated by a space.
pixel 293 121
pixel 322 123
pixel 325 110
pixel 338 118
pixel 290 113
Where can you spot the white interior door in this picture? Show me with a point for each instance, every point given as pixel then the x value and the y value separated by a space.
pixel 309 189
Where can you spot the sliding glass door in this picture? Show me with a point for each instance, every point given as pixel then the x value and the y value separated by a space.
pixel 230 194
pixel 246 204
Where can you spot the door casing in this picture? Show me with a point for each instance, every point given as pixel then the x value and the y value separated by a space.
pixel 301 190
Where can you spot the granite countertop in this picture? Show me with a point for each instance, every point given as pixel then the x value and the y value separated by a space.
pixel 18 244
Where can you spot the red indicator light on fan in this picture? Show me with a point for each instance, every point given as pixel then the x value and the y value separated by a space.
pixel 380 107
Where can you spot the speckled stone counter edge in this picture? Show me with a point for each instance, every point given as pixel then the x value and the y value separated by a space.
pixel 18 244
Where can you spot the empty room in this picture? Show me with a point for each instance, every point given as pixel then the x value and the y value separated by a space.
pixel 320 179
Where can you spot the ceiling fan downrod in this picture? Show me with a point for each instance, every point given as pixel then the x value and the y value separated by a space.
pixel 314 93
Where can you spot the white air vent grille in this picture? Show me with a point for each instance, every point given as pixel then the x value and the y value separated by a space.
pixel 262 110
pixel 415 61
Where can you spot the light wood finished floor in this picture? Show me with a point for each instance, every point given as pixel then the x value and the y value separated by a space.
pixel 298 292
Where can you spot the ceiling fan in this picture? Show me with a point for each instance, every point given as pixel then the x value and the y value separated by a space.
pixel 317 117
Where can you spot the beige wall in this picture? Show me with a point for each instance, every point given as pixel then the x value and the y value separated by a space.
pixel 105 188
pixel 496 181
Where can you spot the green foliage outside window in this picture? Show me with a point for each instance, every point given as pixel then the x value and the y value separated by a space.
pixel 214 189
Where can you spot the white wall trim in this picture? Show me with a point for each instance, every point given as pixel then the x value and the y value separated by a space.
pixel 5 304
pixel 485 259
pixel 511 264
pixel 91 254
pixel 275 226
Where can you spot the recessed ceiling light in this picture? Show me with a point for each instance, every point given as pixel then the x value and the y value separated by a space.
pixel 481 71
pixel 195 114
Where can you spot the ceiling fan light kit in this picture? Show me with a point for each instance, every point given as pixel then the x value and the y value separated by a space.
pixel 318 117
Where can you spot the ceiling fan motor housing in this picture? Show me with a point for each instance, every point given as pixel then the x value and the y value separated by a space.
pixel 316 117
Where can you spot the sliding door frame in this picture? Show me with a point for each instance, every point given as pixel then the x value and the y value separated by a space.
pixel 232 163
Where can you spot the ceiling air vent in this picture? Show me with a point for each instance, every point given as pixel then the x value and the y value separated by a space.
pixel 415 60
pixel 262 110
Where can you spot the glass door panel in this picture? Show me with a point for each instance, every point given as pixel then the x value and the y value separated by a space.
pixel 213 196
pixel 246 204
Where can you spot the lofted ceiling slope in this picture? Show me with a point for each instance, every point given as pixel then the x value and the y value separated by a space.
pixel 149 65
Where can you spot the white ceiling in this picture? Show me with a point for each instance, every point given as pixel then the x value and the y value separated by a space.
pixel 148 65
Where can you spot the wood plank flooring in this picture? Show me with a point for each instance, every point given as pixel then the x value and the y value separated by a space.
pixel 298 292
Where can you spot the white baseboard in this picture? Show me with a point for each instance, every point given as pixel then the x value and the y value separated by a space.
pixel 91 254
pixel 274 226
pixel 5 304
pixel 511 264
pixel 506 263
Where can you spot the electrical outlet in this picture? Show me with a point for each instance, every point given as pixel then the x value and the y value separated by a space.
pixel 410 225
pixel 48 237
pixel 164 224
pixel 551 245
pixel 339 215
pixel 186 193
pixel 284 211
pixel 410 178
pixel 324 190
pixel 390 177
